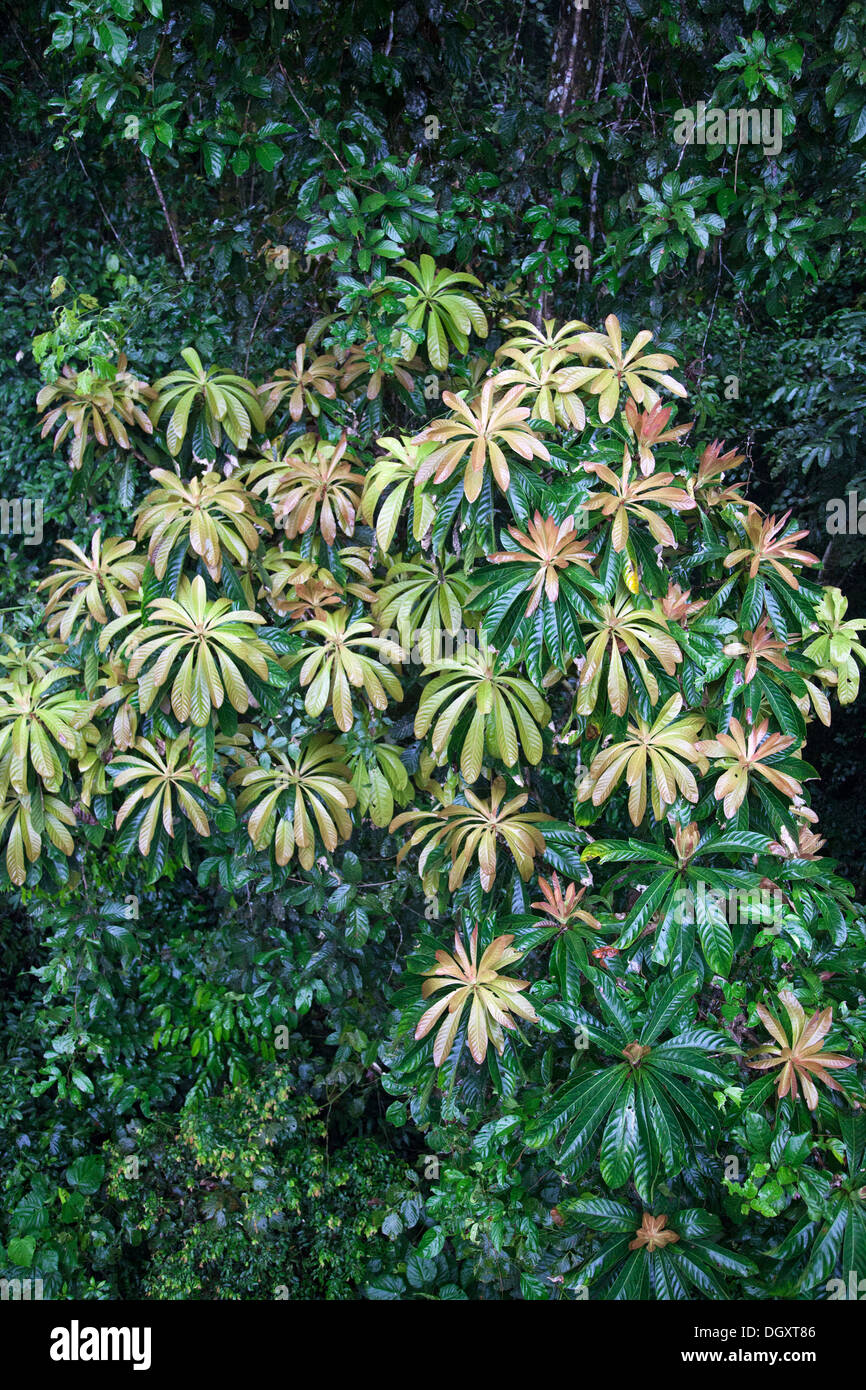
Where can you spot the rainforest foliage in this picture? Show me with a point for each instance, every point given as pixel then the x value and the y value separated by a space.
pixel 428 688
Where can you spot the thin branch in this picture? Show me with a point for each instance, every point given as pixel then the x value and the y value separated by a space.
pixel 825 559
pixel 265 298
pixel 86 173
pixel 313 124
pixel 166 214
pixel 517 37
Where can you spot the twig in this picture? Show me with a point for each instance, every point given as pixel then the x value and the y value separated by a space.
pixel 265 298
pixel 643 69
pixel 825 558
pixel 713 307
pixel 314 125
pixel 166 214
pixel 517 37
pixel 86 172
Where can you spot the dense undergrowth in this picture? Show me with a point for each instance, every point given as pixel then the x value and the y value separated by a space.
pixel 392 581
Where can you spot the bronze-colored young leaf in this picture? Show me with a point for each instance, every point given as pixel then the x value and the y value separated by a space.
pixel 163 779
pixel 707 486
pixel 801 1057
pixel 304 382
pixel 284 789
pixel 483 430
pixel 742 755
pixel 563 910
pixel 204 645
pixel 313 484
pixel 652 1235
pixel 491 996
pixel 636 497
pixel 759 645
pixel 649 428
pixel 227 403
pixel 470 829
pixel 88 404
pixel 661 751
pixel 770 544
pixel 86 585
pixel 545 548
pixel 294 582
pixel 378 363
pixel 506 710
pixel 211 513
pixel 334 661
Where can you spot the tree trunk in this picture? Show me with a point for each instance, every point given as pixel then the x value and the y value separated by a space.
pixel 576 53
